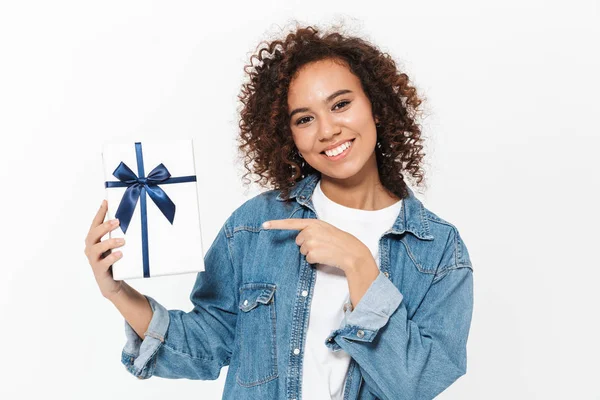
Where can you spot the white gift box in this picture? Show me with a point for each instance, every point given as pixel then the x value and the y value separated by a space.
pixel 154 245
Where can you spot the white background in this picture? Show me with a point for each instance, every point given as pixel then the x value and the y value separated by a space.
pixel 512 141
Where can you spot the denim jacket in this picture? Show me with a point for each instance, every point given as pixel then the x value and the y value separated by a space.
pixel 406 337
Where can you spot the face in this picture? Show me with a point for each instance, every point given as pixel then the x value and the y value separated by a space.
pixel 328 107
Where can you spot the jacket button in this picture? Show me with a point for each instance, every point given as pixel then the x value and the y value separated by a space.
pixel 360 333
pixel 302 197
pixel 296 351
pixel 387 275
pixel 304 293
pixel 245 302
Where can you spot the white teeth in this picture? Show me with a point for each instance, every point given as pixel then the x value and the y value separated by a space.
pixel 338 150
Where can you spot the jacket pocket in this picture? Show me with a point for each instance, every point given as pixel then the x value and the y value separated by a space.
pixel 258 336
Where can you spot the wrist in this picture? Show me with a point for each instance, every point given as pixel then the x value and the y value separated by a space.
pixel 360 275
pixel 364 267
pixel 113 294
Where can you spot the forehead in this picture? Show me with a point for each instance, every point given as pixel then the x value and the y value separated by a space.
pixel 317 80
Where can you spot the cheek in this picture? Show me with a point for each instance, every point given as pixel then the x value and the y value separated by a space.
pixel 360 119
pixel 299 142
pixel 304 142
pixel 363 126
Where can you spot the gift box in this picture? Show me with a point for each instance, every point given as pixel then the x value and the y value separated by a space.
pixel 151 187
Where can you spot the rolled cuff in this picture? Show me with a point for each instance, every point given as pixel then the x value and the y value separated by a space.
pixel 373 311
pixel 137 354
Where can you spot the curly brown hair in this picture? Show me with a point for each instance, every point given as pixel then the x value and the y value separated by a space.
pixel 266 142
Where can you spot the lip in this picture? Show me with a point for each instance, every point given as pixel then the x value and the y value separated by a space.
pixel 333 146
pixel 341 155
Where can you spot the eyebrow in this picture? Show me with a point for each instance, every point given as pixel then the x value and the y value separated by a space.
pixel 327 100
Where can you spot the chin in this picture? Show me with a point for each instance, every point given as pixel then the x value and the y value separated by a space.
pixel 341 173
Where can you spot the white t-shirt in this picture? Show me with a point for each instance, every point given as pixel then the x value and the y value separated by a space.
pixel 324 371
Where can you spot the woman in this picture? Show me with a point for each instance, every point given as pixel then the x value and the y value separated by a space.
pixel 353 289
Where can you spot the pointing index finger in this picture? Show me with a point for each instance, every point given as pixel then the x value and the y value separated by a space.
pixel 289 223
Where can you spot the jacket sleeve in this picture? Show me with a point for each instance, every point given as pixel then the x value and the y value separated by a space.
pixel 194 344
pixel 417 358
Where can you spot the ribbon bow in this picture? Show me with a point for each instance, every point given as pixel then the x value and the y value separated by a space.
pixel 135 187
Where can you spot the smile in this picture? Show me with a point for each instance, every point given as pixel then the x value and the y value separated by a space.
pixel 348 147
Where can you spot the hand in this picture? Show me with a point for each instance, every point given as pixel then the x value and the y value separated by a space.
pixel 100 255
pixel 323 243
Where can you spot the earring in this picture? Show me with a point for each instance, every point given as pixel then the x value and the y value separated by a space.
pixel 299 155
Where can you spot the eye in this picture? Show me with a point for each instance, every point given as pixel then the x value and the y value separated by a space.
pixel 301 119
pixel 341 102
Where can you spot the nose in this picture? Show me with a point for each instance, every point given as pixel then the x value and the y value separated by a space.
pixel 328 128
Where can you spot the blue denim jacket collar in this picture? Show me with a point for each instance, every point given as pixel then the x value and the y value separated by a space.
pixel 411 217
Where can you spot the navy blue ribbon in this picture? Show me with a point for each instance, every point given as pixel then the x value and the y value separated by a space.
pixel 137 187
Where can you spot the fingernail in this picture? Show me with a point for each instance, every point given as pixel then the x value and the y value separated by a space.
pixel 266 225
pixel 115 221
